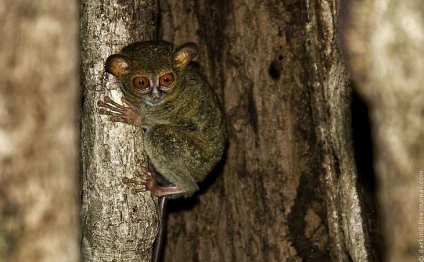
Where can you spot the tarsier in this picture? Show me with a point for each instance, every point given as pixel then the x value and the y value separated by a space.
pixel 183 123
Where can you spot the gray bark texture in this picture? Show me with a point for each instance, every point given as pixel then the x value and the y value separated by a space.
pixel 288 188
pixel 38 131
pixel 384 43
pixel 116 225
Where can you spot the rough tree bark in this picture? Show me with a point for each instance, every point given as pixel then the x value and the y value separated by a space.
pixel 385 46
pixel 116 224
pixel 38 130
pixel 289 189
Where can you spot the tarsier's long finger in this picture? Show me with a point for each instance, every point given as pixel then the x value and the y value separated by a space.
pixel 111 106
pixel 110 101
pixel 103 111
pixel 137 190
pixel 124 100
pixel 127 181
pixel 118 118
pixel 142 175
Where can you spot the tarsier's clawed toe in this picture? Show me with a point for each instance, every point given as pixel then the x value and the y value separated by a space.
pixel 129 181
pixel 135 191
pixel 142 176
pixel 143 180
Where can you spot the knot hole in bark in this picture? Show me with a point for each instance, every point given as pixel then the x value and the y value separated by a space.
pixel 275 68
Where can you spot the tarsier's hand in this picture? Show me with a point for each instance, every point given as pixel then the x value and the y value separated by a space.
pixel 120 113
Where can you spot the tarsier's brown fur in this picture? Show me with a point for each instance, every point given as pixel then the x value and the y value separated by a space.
pixel 184 125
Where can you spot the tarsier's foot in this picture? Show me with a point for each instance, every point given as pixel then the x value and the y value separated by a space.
pixel 146 181
pixel 120 113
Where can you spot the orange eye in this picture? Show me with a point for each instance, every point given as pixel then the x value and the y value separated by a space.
pixel 166 80
pixel 141 82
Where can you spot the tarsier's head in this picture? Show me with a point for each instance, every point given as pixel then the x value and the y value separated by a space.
pixel 150 71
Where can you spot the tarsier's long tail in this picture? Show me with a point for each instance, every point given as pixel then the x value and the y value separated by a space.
pixel 158 245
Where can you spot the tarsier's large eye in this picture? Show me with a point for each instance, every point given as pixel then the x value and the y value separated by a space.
pixel 166 80
pixel 141 82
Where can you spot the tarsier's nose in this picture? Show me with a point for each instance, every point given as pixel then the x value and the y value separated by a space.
pixel 155 95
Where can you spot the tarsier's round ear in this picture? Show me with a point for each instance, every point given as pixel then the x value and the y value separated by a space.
pixel 117 65
pixel 184 54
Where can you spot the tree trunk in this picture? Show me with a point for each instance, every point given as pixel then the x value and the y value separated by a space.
pixel 38 134
pixel 116 224
pixel 288 188
pixel 385 46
